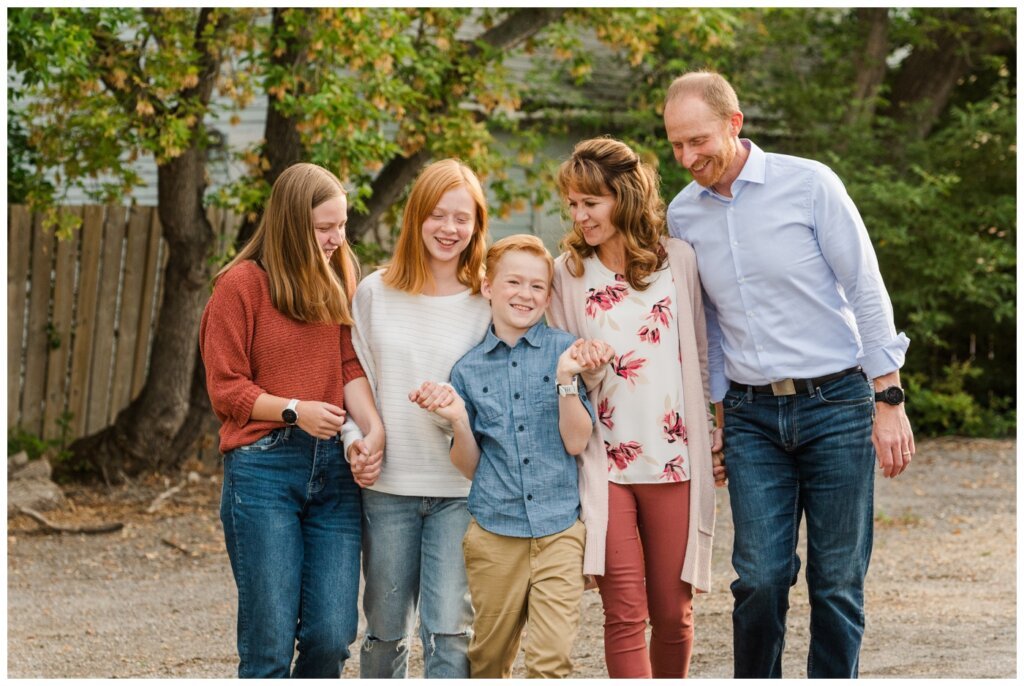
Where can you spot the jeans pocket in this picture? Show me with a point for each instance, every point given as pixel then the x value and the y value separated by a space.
pixel 851 390
pixel 265 443
pixel 733 400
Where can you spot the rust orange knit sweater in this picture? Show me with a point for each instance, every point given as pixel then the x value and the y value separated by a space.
pixel 249 348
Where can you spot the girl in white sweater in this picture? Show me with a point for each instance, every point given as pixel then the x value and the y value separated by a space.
pixel 413 320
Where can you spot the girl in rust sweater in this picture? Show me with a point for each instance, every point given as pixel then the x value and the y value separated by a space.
pixel 281 373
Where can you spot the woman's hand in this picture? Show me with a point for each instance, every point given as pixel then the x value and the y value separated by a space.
pixel 322 420
pixel 718 469
pixel 584 354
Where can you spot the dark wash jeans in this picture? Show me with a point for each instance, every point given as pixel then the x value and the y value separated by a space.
pixel 291 514
pixel 788 456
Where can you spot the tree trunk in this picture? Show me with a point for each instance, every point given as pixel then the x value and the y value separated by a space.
pixel 283 144
pixel 144 434
pixel 869 62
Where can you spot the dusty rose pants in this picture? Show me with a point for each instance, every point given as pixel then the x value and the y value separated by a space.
pixel 647 531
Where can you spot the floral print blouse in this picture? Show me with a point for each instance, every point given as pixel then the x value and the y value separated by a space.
pixel 641 409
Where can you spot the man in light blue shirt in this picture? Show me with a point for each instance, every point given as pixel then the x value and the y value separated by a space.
pixel 799 321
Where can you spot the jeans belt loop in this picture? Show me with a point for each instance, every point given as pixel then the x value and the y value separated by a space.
pixel 811 390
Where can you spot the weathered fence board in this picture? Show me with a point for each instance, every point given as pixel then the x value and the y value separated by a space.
pixel 98 405
pixel 85 316
pixel 37 340
pixel 146 314
pixel 59 351
pixel 19 237
pixel 140 220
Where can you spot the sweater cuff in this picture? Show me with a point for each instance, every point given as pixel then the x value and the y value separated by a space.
pixel 243 404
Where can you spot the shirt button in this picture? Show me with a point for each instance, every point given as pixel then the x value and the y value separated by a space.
pixel 515 364
pixel 529 497
pixel 735 242
pixel 547 379
pixel 485 389
pixel 520 427
pixel 526 460
pixel 741 279
pixel 760 348
pixel 516 396
pixel 750 314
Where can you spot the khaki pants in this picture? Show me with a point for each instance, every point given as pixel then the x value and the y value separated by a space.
pixel 512 580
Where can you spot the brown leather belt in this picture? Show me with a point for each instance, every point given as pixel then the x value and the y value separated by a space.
pixel 790 386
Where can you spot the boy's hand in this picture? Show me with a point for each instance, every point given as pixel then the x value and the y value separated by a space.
pixel 584 354
pixel 440 399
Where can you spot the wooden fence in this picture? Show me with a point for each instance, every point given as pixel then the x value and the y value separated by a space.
pixel 81 313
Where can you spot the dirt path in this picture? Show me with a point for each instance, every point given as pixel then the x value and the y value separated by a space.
pixel 941 595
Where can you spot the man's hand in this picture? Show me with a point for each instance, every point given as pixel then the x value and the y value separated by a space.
pixel 440 399
pixel 893 439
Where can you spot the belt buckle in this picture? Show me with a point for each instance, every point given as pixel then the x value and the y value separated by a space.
pixel 784 387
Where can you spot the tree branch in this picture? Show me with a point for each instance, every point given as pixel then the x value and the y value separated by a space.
pixel 399 171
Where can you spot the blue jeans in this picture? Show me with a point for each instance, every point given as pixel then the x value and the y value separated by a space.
pixel 291 513
pixel 788 456
pixel 413 557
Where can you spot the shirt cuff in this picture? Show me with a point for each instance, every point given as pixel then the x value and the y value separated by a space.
pixel 888 358
pixel 350 433
pixel 719 385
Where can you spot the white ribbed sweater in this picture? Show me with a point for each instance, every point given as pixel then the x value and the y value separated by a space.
pixel 403 340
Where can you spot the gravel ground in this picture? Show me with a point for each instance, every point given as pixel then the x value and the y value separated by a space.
pixel 941 592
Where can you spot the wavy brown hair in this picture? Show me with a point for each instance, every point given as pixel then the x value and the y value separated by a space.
pixel 302 285
pixel 408 270
pixel 606 166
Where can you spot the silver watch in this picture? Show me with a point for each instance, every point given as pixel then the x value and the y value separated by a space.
pixel 570 389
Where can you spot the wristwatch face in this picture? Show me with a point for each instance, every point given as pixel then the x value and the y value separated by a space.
pixel 289 416
pixel 893 395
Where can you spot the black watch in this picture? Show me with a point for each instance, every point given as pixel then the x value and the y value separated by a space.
pixel 892 395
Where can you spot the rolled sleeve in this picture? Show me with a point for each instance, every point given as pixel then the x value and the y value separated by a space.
pixel 888 358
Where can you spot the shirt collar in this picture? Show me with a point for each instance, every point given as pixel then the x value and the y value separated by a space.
pixel 532 337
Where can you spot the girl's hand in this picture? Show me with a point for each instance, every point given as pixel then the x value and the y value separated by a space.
pixel 440 399
pixel 366 465
pixel 322 420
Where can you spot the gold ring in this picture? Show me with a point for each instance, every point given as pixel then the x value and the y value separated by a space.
pixel 907 452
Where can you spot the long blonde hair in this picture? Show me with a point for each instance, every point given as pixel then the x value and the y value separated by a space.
pixel 606 166
pixel 408 270
pixel 302 285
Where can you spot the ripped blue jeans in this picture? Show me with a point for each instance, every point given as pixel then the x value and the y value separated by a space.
pixel 412 559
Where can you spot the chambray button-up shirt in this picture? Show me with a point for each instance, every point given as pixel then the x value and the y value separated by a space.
pixel 525 484
pixel 791 281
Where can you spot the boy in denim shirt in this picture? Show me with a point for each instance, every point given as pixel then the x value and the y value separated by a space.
pixel 519 415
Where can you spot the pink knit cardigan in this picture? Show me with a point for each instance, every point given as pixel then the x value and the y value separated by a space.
pixel 567 312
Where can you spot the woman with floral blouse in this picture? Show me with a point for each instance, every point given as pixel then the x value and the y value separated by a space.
pixel 648 463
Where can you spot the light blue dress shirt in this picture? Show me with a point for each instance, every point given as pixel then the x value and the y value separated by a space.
pixel 790 278
pixel 525 484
